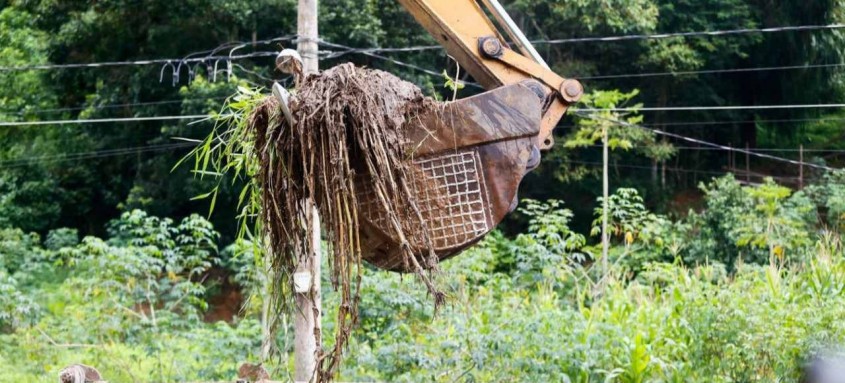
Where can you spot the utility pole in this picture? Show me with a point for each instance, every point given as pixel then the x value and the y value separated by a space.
pixel 730 158
pixel 307 318
pixel 747 164
pixel 801 167
pixel 605 236
pixel 308 36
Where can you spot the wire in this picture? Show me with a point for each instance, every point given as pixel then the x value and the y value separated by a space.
pixel 734 122
pixel 25 161
pixel 430 72
pixel 134 63
pixel 108 106
pixel 103 120
pixel 671 169
pixel 706 143
pixel 711 71
pixel 784 150
pixel 622 37
pixel 692 34
pixel 210 57
pixel 705 108
pixel 370 53
pixel 184 60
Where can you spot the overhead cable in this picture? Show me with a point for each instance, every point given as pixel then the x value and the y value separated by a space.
pixel 726 107
pixel 776 150
pixel 727 32
pixel 650 168
pixel 210 55
pixel 104 120
pixel 136 62
pixel 370 53
pixel 109 106
pixel 25 161
pixel 705 143
pixel 711 71
pixel 655 36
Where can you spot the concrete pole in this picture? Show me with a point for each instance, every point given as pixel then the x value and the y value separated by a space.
pixel 747 164
pixel 308 35
pixel 605 235
pixel 307 326
pixel 801 167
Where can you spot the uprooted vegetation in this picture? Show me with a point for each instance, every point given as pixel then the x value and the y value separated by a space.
pixel 349 129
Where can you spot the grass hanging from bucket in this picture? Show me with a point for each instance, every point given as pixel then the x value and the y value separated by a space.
pixel 349 127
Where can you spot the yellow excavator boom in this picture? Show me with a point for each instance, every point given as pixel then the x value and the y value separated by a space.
pixel 473 39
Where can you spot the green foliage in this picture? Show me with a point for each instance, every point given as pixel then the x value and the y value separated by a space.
pixel 644 236
pixel 15 247
pixel 524 308
pixel 136 298
pixel 739 290
pixel 40 189
pixel 619 137
pixel 675 325
pixel 61 238
pixel 148 264
pixel 452 84
pixel 21 44
pixel 15 307
pixel 621 132
pixel 777 222
pixel 549 248
pixel 757 224
pixel 28 198
pixel 829 195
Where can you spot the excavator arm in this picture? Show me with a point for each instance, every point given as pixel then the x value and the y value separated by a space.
pixel 473 39
pixel 469 157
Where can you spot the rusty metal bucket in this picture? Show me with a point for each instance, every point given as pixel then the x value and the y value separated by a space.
pixel 467 163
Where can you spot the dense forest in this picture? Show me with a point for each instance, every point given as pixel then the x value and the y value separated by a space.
pixel 726 266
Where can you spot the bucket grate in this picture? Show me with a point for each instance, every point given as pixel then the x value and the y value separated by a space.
pixel 449 190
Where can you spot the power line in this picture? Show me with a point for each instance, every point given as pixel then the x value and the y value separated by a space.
pixel 108 106
pixel 189 58
pixel 776 150
pixel 621 37
pixel 371 53
pixel 199 116
pixel 711 71
pixel 211 57
pixel 626 166
pixel 706 108
pixel 25 161
pixel 706 143
pixel 136 62
pixel 104 120
pixel 734 122
pixel 660 36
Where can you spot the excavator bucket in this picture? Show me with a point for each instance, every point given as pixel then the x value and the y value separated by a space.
pixel 467 161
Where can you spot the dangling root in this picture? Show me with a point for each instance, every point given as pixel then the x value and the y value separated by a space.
pixel 349 122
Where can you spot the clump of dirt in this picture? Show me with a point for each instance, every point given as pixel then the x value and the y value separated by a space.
pixel 349 123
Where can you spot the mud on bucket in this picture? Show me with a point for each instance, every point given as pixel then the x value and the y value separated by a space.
pixel 466 160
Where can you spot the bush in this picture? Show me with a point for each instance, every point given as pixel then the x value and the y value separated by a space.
pixel 756 224
pixel 743 291
pixel 671 324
